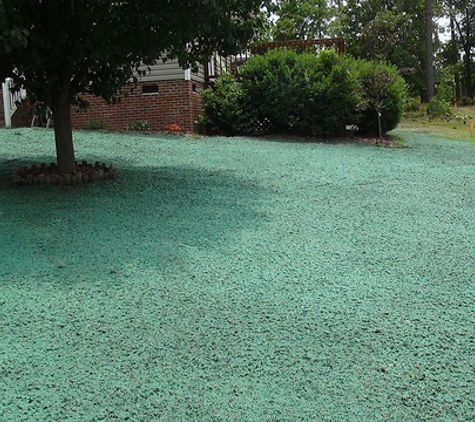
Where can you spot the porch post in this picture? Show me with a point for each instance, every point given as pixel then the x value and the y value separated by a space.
pixel 7 99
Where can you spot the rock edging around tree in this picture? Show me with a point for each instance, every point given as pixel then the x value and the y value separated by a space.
pixel 49 175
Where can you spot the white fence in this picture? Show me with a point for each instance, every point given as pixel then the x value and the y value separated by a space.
pixel 11 98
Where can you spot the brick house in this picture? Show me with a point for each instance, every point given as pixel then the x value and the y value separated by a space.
pixel 169 95
pixel 166 95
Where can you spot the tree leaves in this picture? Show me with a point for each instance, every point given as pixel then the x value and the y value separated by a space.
pixel 301 19
pixel 103 41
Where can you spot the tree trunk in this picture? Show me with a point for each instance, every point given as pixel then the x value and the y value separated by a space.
pixel 468 73
pixel 454 59
pixel 380 127
pixel 429 51
pixel 63 133
pixel 467 48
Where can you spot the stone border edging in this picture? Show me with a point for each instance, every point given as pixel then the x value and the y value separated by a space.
pixel 49 175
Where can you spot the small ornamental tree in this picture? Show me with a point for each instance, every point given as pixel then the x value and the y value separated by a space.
pixel 65 48
pixel 383 93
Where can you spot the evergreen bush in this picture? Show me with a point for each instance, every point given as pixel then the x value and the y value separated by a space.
pixel 269 92
pixel 304 94
pixel 223 107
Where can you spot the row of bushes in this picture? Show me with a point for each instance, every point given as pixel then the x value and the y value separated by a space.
pixel 284 92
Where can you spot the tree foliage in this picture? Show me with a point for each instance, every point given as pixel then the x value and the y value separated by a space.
pixel 462 19
pixel 392 31
pixel 300 19
pixel 65 48
pixel 382 96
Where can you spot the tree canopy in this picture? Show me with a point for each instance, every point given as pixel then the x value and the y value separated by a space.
pixel 462 21
pixel 392 31
pixel 300 19
pixel 65 48
pixel 404 33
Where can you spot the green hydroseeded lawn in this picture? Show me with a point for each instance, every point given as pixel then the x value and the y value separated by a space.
pixel 238 279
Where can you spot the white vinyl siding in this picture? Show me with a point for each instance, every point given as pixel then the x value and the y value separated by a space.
pixel 170 71
pixel 199 75
pixel 162 71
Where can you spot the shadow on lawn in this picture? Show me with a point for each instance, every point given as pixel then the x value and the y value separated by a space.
pixel 148 217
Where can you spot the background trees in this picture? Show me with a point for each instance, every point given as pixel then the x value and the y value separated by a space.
pixel 462 29
pixel 390 31
pixel 300 19
pixel 405 33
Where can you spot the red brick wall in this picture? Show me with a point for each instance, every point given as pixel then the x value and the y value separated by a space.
pixel 197 106
pixel 177 102
pixel 23 115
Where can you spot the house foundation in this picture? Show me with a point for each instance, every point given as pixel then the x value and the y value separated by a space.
pixel 162 104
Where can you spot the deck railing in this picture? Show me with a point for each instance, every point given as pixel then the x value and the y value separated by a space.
pixel 301 46
pixel 221 64
pixel 12 97
pixel 231 64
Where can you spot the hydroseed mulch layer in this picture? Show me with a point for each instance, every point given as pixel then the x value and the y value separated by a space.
pixel 239 280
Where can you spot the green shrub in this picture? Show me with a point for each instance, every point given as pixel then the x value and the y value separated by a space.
pixel 466 101
pixel 330 93
pixel 95 124
pixel 304 94
pixel 438 108
pixel 463 118
pixel 445 88
pixel 223 108
pixel 382 91
pixel 283 92
pixel 413 105
pixel 268 92
pixel 138 126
